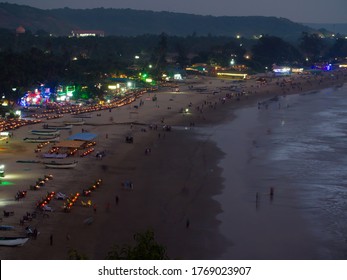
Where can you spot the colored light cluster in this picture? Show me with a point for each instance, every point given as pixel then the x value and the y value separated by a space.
pixel 89 151
pixel 11 124
pixel 70 202
pixel 37 97
pixel 73 198
pixel 41 182
pixel 41 204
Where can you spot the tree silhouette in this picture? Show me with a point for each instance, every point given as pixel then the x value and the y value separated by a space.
pixel 312 46
pixel 146 248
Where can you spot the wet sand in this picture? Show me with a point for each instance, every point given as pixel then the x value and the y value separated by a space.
pixel 175 182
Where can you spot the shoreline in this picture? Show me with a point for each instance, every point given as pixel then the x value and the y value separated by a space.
pixel 178 189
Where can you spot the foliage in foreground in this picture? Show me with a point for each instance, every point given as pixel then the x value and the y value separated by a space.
pixel 145 248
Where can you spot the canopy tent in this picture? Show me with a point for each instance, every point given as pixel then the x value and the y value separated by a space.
pixel 75 144
pixel 84 136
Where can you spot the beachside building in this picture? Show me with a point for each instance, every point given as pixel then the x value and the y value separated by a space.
pixel 20 30
pixel 198 68
pixel 87 33
pixel 235 72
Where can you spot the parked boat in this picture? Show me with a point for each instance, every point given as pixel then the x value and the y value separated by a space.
pixel 13 241
pixel 74 122
pixel 46 132
pixel 41 139
pixel 61 165
pixel 28 161
pixel 54 155
pixel 6 227
pixel 58 127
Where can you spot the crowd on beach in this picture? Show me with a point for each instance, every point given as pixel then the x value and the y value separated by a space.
pixel 147 128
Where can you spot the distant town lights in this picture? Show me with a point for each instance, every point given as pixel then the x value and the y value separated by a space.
pixel 282 70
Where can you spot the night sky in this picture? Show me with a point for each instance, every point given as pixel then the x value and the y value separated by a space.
pixel 303 11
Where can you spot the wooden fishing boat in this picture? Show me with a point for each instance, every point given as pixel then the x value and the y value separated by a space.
pixel 47 155
pixel 41 139
pixel 74 122
pixel 58 127
pixel 13 241
pixel 46 132
pixel 60 165
pixel 28 161
pixel 6 227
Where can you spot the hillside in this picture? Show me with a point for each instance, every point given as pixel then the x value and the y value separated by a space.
pixel 127 22
pixel 333 27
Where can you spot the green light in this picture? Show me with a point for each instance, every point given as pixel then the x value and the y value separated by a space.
pixel 6 183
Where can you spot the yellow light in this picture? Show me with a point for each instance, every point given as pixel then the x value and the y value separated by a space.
pixel 232 75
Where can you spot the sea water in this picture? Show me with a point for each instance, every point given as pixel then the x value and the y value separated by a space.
pixel 296 146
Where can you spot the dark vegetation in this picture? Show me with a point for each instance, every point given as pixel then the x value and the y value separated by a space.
pixel 128 22
pixel 37 56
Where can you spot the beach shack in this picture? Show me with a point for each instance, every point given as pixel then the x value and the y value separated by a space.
pixel 66 148
pixel 71 146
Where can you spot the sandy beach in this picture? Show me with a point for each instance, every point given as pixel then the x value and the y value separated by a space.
pixel 175 182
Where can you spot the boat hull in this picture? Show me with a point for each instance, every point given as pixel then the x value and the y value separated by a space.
pixel 74 123
pixel 45 126
pixel 41 140
pixel 61 165
pixel 52 132
pixel 13 241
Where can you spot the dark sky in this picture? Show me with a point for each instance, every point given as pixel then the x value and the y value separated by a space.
pixel 306 11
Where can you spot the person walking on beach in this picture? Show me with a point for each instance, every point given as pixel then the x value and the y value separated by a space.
pixel 35 233
pixel 271 193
